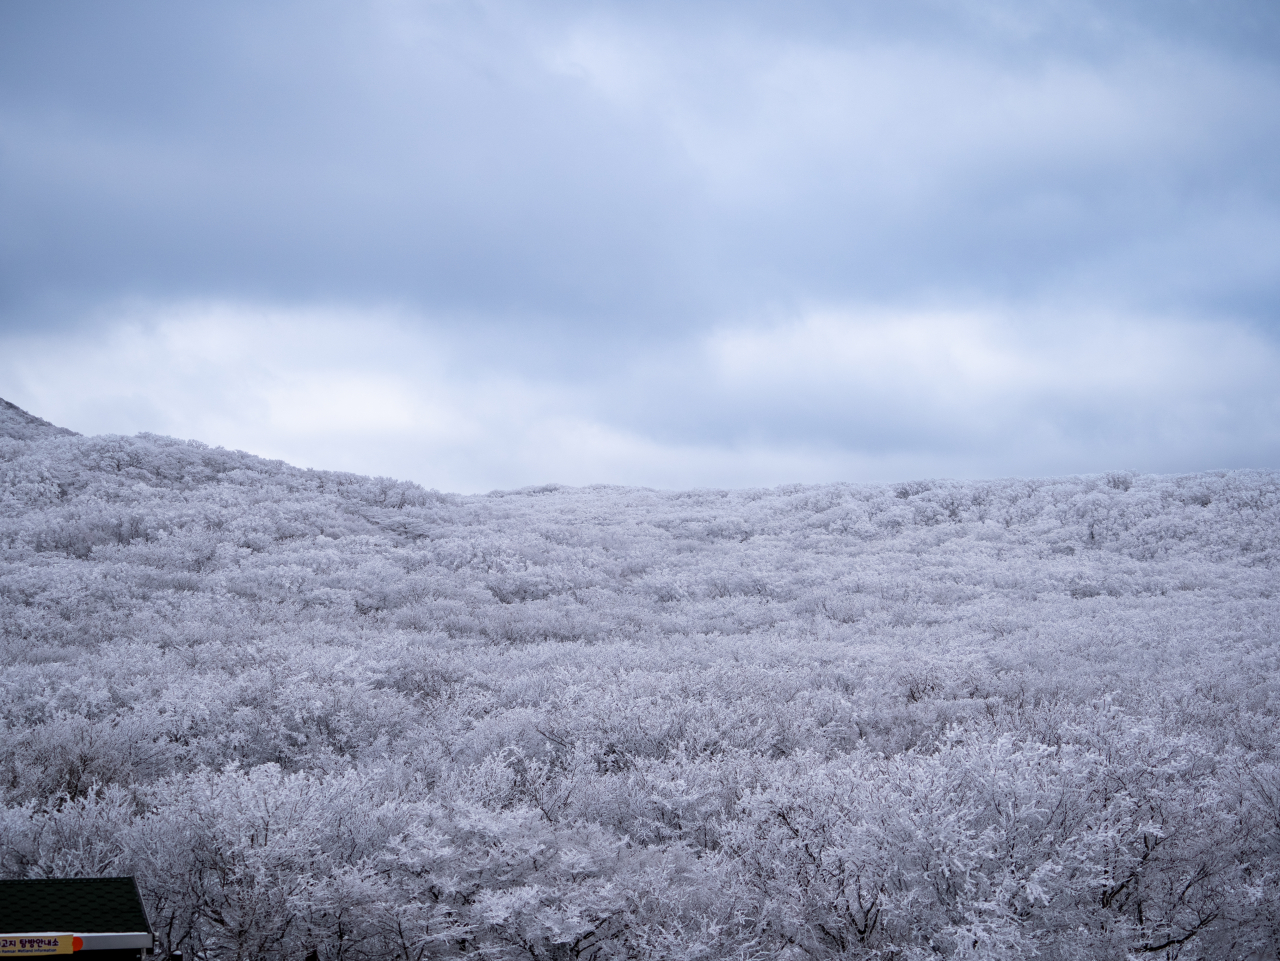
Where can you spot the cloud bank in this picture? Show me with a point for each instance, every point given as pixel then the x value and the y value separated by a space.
pixel 827 395
pixel 484 245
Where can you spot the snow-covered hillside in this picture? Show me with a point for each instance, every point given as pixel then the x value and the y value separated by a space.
pixel 937 719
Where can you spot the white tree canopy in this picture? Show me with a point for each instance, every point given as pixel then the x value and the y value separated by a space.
pixel 320 711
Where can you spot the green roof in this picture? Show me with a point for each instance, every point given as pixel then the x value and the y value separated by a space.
pixel 72 906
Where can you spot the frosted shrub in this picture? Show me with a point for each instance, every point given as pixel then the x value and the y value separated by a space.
pixel 315 711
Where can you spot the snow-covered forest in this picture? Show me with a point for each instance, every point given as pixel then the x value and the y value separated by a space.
pixel 314 710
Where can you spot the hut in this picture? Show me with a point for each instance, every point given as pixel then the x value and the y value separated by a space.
pixel 100 919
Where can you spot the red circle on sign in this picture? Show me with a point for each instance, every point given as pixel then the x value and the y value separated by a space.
pixel 77 944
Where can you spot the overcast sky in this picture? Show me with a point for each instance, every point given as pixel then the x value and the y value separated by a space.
pixel 484 245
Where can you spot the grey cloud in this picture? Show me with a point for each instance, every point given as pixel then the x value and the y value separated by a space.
pixel 427 154
pixel 321 163
pixel 579 199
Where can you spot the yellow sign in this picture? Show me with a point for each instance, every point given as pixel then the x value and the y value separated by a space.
pixel 26 945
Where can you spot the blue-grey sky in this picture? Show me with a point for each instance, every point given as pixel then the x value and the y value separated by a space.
pixel 489 244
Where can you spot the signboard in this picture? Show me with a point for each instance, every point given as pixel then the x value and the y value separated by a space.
pixel 28 945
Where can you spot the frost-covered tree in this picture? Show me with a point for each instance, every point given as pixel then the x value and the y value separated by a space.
pixel 316 711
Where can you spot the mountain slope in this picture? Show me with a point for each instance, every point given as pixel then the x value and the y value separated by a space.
pixel 850 720
pixel 17 424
